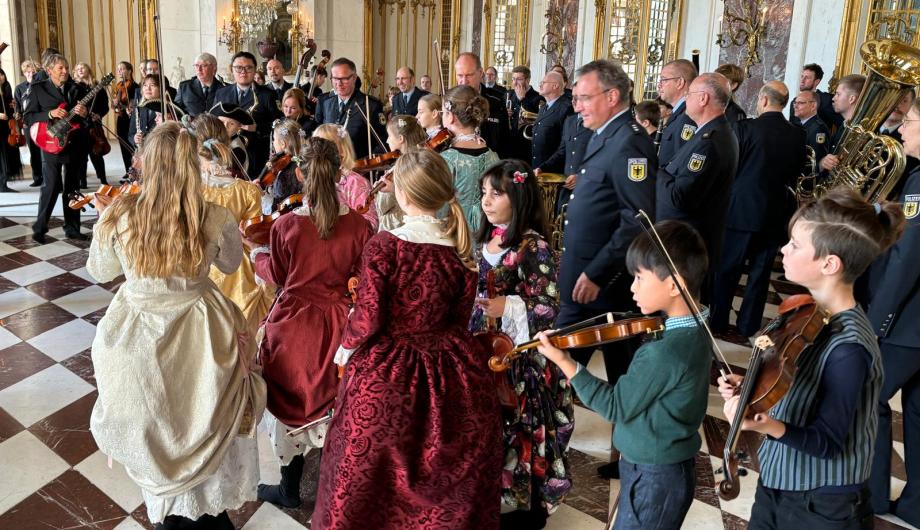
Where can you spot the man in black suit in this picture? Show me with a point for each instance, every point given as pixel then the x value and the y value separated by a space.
pixel 349 107
pixel 817 136
pixel 695 186
pixel 490 80
pixel 196 95
pixel 406 102
pixel 468 71
pixel 809 80
pixel 673 86
pixel 259 101
pixel 771 155
pixel 29 68
pixel 523 98
pixel 735 75
pixel 547 130
pixel 616 179
pixel 61 172
pixel 274 73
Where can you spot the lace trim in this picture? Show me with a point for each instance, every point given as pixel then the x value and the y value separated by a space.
pixel 422 229
pixel 514 319
pixel 304 210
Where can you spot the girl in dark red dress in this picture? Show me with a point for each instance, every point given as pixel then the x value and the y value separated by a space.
pixel 415 440
pixel 314 250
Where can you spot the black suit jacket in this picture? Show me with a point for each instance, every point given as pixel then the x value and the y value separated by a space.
pixel 261 103
pixel 522 147
pixel 616 179
pixel 327 111
pixel 279 92
pixel 142 120
pixel 548 135
pixel 191 99
pixel 734 113
pixel 45 97
pixel 677 131
pixel 495 129
pixel 894 306
pixel 696 184
pixel 771 157
pixel 400 106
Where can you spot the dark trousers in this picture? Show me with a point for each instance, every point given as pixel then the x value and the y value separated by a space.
pixel 780 510
pixel 902 372
pixel 99 165
pixel 122 125
pixel 759 251
pixel 654 496
pixel 54 184
pixel 35 160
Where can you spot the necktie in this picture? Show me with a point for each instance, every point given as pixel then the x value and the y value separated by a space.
pixel 206 89
pixel 241 95
pixel 406 98
pixel 341 106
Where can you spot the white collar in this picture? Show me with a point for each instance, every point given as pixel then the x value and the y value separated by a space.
pixel 304 210
pixel 422 229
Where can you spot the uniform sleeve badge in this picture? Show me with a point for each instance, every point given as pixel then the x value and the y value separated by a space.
pixel 687 132
pixel 696 162
pixel 911 206
pixel 820 138
pixel 637 167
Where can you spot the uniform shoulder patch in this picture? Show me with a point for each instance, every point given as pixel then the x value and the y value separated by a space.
pixel 820 138
pixel 696 162
pixel 635 127
pixel 911 206
pixel 687 132
pixel 637 169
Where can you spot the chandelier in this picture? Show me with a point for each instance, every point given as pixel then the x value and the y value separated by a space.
pixel 256 15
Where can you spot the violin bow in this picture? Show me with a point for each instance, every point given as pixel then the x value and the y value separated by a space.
pixel 164 95
pixel 370 128
pixel 437 54
pixel 649 229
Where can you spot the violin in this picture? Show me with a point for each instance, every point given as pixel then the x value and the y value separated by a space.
pixel 16 138
pixel 375 189
pixel 497 343
pixel 770 372
pixel 100 144
pixel 258 229
pixel 440 141
pixel 78 201
pixel 272 169
pixel 584 337
pixel 377 162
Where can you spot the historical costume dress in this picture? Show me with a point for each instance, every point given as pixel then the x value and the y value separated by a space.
pixel 467 165
pixel 304 327
pixel 177 403
pixel 353 190
pixel 242 198
pixel 415 441
pixel 389 214
pixel 536 433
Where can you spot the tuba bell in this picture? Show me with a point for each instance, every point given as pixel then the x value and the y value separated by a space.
pixel 868 162
pixel 526 120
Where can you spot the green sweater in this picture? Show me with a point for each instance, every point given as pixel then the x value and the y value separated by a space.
pixel 659 404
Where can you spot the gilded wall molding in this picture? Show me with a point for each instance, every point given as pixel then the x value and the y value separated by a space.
pixel 600 27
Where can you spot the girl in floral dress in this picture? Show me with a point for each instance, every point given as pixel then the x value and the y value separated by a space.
pixel 512 250
pixel 353 188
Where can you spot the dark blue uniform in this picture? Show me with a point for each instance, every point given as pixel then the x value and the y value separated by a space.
pixel 678 130
pixel 894 310
pixel 328 110
pixel 261 103
pixel 817 136
pixel 910 164
pixel 771 154
pixel 575 137
pixel 192 99
pixel 831 118
pixel 532 101
pixel 548 135
pixel 616 179
pixel 695 186
pixel 408 107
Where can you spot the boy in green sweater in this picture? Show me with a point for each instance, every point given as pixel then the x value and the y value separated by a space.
pixel 659 404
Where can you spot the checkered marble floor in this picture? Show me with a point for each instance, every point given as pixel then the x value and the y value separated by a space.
pixel 53 475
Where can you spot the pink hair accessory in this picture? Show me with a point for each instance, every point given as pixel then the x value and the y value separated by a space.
pixel 519 177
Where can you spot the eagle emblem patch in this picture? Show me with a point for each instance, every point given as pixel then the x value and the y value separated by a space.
pixel 911 206
pixel 820 138
pixel 696 162
pixel 687 132
pixel 637 169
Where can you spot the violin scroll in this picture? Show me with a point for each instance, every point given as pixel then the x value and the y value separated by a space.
pixel 730 486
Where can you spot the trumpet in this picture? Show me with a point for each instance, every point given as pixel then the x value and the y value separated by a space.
pixel 526 121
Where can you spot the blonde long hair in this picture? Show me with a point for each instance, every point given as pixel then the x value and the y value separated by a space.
pixel 163 237
pixel 337 135
pixel 425 178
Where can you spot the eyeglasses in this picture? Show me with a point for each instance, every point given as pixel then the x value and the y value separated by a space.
pixel 663 80
pixel 242 69
pixel 586 98
pixel 799 103
pixel 199 66
pixel 343 79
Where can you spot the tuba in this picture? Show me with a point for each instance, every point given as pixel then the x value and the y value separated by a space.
pixel 868 162
pixel 526 119
pixel 549 192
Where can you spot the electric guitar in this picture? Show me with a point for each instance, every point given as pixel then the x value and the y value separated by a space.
pixel 53 136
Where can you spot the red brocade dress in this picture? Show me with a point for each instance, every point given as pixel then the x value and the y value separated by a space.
pixel 415 442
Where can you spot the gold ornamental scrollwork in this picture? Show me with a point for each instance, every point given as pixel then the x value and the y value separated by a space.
pixel 553 39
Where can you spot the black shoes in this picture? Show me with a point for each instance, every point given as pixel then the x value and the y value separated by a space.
pixel 286 494
pixel 38 238
pixel 5 189
pixel 77 236
pixel 35 184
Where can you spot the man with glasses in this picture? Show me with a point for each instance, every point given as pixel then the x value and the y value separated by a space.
pixel 347 106
pixel 616 180
pixel 817 135
pixel 770 160
pixel 406 102
pixel 696 184
pixel 259 101
pixel 522 97
pixel 547 130
pixel 809 80
pixel 196 95
pixel 673 86
pixel 490 80
pixel 468 71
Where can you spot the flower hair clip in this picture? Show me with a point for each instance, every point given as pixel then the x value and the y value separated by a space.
pixel 401 123
pixel 296 159
pixel 519 177
pixel 343 132
pixel 448 106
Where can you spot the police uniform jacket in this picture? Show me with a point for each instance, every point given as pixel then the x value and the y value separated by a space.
pixel 327 111
pixel 695 186
pixel 45 97
pixel 500 89
pixel 410 108
pixel 817 136
pixel 575 137
pixel 261 103
pixel 547 135
pixel 191 98
pixel 771 155
pixel 532 100
pixel 894 307
pixel 616 179
pixel 678 130
pixel 831 118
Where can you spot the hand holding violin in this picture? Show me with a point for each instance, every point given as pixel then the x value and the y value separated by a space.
pixel 102 202
pixel 760 422
pixel 560 358
pixel 492 307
